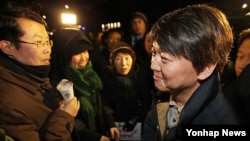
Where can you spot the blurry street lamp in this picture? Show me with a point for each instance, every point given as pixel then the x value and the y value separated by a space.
pixel 244 6
pixel 68 19
pixel 66 6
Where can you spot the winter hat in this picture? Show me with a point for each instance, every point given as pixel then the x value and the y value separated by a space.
pixel 70 41
pixel 121 47
pixel 139 15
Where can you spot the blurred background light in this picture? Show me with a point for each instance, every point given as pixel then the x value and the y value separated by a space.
pixel 66 6
pixel 68 18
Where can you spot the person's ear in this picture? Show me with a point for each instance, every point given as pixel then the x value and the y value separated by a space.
pixel 207 71
pixel 6 47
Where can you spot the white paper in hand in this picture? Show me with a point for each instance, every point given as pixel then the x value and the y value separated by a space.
pixel 65 87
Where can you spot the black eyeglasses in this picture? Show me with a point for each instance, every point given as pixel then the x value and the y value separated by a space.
pixel 39 44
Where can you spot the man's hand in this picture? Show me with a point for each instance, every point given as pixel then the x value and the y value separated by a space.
pixel 70 107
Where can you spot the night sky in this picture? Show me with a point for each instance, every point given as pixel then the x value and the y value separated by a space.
pixel 93 13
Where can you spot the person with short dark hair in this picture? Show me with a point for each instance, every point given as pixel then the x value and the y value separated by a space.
pixel 190 48
pixel 243 51
pixel 238 90
pixel 109 38
pixel 31 109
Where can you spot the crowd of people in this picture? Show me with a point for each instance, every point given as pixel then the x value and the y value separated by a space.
pixel 162 77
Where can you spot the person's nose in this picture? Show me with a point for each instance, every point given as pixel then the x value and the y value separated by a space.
pixel 123 62
pixel 154 64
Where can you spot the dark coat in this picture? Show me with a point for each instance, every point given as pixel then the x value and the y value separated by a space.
pixel 207 106
pixel 69 42
pixel 101 61
pixel 28 106
pixel 128 96
pixel 238 94
pixel 103 121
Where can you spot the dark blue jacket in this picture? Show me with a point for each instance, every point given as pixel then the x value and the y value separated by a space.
pixel 207 106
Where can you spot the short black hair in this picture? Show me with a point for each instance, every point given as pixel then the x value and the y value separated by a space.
pixel 244 34
pixel 9 28
pixel 200 33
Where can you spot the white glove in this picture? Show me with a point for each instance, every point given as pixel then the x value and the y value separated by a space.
pixel 65 87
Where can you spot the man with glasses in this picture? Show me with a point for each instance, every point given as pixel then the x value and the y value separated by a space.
pixel 39 43
pixel 31 109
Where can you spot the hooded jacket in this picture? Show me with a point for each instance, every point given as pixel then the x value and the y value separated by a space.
pixel 68 42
